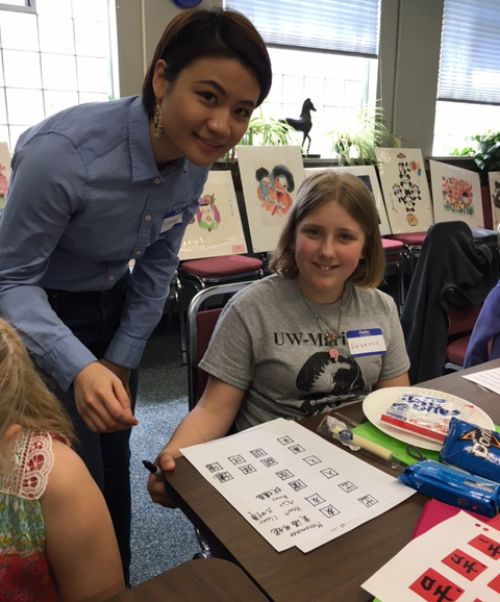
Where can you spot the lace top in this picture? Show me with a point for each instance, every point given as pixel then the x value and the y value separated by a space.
pixel 24 571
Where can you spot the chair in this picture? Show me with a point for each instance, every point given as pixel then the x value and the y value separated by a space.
pixel 397 263
pixel 209 272
pixel 449 260
pixel 412 242
pixel 201 321
pixel 461 320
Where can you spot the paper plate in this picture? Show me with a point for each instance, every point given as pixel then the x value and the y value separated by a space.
pixel 375 404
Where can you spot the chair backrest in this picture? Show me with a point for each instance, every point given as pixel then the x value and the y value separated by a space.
pixel 461 319
pixel 203 312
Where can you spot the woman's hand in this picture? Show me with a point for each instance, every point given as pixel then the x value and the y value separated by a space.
pixel 102 398
pixel 156 486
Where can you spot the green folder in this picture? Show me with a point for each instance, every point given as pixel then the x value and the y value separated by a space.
pixel 398 448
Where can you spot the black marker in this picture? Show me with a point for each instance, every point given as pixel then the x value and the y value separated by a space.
pixel 154 470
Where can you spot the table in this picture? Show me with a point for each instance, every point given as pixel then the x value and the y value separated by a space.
pixel 336 570
pixel 196 581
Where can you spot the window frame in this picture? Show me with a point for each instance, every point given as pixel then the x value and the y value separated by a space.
pixel 29 7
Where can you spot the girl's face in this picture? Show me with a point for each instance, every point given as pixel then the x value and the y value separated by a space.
pixel 329 244
pixel 205 110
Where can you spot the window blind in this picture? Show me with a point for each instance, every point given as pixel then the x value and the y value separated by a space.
pixel 349 26
pixel 469 66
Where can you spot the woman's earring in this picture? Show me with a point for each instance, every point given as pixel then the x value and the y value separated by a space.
pixel 157 125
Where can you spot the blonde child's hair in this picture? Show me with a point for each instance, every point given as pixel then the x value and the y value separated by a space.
pixel 351 194
pixel 24 397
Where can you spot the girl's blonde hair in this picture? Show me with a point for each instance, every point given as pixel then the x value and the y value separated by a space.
pixel 24 397
pixel 353 196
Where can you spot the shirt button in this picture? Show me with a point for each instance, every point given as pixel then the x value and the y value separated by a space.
pixel 112 278
pixel 157 180
pixel 147 218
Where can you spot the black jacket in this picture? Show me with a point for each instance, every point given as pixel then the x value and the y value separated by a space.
pixel 450 268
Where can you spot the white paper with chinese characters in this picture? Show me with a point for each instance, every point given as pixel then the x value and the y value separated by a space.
pixel 462 550
pixel 294 487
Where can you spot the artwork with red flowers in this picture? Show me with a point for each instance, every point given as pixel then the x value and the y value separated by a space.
pixel 494 182
pixel 456 194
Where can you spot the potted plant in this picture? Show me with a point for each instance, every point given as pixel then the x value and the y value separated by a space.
pixel 485 150
pixel 356 145
pixel 263 131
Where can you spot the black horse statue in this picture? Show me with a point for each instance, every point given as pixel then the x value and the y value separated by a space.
pixel 304 122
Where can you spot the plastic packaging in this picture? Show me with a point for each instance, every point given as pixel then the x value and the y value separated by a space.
pixel 339 431
pixel 453 486
pixel 472 448
pixel 428 417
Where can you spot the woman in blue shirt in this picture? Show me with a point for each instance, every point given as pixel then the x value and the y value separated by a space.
pixel 100 184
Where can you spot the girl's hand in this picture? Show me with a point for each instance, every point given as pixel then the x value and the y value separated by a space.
pixel 102 400
pixel 156 486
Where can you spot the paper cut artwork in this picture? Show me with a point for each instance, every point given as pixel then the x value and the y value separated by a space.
pixel 456 559
pixel 216 228
pixel 494 181
pixel 368 175
pixel 405 188
pixel 274 189
pixel 270 177
pixel 456 193
pixel 207 214
pixel 4 172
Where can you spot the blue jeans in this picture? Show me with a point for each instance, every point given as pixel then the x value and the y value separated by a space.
pixel 94 317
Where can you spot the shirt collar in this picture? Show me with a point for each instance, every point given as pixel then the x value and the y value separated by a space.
pixel 141 153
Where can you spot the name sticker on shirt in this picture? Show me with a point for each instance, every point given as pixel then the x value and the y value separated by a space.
pixel 169 221
pixel 369 341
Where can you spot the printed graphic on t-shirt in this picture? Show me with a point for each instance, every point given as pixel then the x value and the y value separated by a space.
pixel 328 381
pixel 329 376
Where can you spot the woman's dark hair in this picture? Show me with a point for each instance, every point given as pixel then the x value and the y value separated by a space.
pixel 200 33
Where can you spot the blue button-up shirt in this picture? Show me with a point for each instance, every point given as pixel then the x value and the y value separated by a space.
pixel 85 197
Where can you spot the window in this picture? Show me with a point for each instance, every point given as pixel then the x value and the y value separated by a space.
pixel 55 57
pixel 326 51
pixel 22 5
pixel 469 73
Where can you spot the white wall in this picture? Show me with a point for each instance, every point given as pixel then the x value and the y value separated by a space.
pixel 140 24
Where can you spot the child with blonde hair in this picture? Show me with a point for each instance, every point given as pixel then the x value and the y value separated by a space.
pixel 56 536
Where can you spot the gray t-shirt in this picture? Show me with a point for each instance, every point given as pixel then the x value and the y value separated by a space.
pixel 269 343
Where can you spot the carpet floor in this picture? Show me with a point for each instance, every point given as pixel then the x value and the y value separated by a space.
pixel 161 538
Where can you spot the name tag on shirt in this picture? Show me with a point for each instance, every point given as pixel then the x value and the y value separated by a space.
pixel 369 341
pixel 169 221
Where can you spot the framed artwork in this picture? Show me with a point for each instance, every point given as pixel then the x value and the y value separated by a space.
pixel 4 172
pixel 368 175
pixel 456 194
pixel 405 188
pixel 494 180
pixel 216 226
pixel 270 177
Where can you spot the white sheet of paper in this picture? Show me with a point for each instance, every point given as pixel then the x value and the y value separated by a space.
pixel 451 537
pixel 490 379
pixel 294 487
